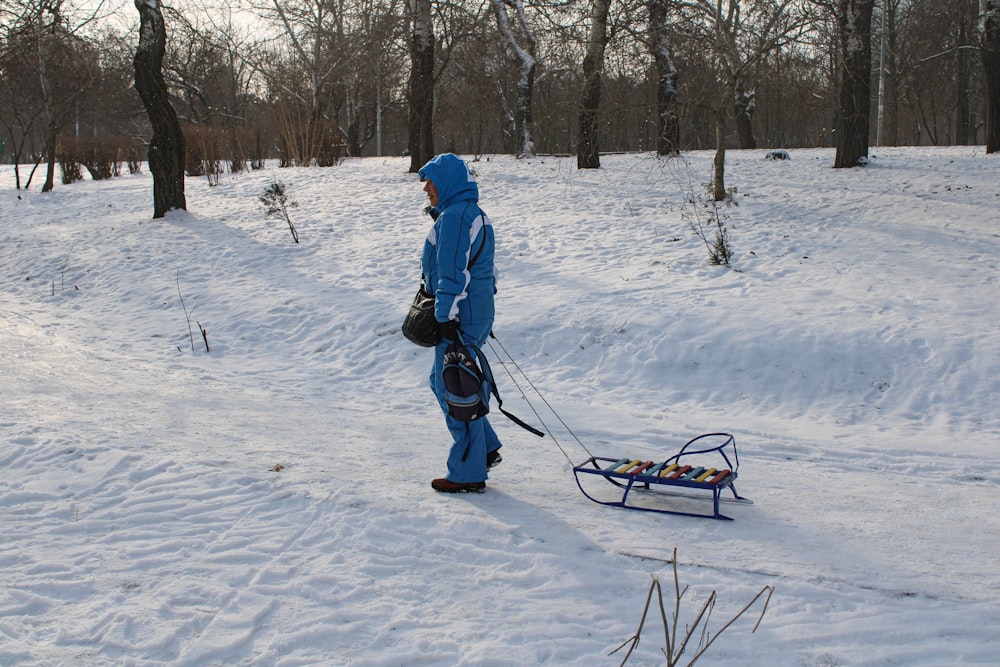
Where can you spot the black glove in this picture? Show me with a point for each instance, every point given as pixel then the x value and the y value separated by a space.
pixel 449 330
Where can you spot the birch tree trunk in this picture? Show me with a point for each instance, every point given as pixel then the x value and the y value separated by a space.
pixel 744 104
pixel 989 49
pixel 525 85
pixel 166 148
pixel 587 150
pixel 855 34
pixel 421 90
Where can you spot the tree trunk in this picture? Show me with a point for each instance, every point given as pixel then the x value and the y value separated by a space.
pixel 353 136
pixel 523 128
pixel 51 127
pixel 525 86
pixel 587 150
pixel 719 177
pixel 963 121
pixel 523 123
pixel 50 157
pixel 855 23
pixel 890 129
pixel 354 106
pixel 989 49
pixel 668 133
pixel 744 104
pixel 421 143
pixel 166 148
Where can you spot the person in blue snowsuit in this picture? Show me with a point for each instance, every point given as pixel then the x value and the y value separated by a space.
pixel 458 269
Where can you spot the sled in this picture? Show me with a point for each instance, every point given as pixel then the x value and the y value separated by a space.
pixel 644 484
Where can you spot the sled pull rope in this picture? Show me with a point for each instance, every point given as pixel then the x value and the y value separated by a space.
pixel 510 360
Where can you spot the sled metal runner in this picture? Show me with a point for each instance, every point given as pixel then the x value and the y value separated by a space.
pixel 679 476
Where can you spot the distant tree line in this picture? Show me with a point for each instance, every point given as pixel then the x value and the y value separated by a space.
pixel 313 81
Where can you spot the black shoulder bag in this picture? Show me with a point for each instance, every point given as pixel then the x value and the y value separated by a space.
pixel 420 326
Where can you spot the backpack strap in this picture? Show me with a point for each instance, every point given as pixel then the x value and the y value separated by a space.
pixel 482 243
pixel 488 376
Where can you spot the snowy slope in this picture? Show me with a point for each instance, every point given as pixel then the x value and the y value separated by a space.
pixel 853 348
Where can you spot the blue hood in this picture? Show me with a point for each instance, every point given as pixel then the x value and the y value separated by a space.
pixel 452 178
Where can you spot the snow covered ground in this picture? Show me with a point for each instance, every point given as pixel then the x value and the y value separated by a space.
pixel 267 502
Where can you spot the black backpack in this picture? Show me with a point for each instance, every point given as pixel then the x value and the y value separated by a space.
pixel 466 388
pixel 468 383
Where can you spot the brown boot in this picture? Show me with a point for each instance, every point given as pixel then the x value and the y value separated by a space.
pixel 447 486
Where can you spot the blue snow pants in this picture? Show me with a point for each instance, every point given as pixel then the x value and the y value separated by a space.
pixel 470 440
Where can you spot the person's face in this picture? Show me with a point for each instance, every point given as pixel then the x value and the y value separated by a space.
pixel 432 192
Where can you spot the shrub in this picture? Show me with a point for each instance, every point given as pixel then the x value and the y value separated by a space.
pixel 275 201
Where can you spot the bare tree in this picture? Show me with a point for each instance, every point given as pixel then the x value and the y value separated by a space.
pixel 373 70
pixel 166 148
pixel 211 67
pixel 309 25
pixel 475 87
pixel 421 89
pixel 587 150
pixel 45 44
pixel 989 48
pixel 21 110
pixel 854 19
pixel 427 66
pixel 57 67
pixel 719 192
pixel 469 76
pixel 315 30
pixel 888 112
pixel 931 88
pixel 965 132
pixel 668 136
pixel 743 33
pixel 526 57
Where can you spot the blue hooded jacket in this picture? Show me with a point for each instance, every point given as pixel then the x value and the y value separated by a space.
pixel 460 233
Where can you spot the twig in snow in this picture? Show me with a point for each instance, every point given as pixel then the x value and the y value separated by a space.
pixel 187 315
pixel 673 651
pixel 204 336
